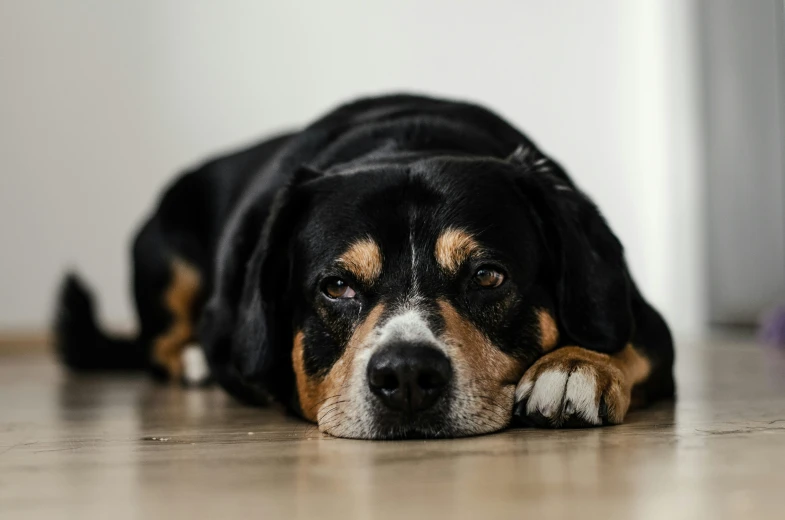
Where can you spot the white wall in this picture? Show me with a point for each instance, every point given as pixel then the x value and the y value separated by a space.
pixel 102 102
pixel 745 132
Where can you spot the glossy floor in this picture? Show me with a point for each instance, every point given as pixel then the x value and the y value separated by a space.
pixel 123 447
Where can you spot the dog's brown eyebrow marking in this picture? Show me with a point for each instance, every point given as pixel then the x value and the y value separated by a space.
pixel 363 259
pixel 453 247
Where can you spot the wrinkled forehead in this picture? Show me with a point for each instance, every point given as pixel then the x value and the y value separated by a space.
pixel 414 218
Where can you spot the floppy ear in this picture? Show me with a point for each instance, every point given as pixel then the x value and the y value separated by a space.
pixel 592 281
pixel 245 324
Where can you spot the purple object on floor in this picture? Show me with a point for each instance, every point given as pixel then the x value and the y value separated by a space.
pixel 772 328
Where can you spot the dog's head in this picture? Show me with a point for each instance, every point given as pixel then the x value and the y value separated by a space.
pixel 406 298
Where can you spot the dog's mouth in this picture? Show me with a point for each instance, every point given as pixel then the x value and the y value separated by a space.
pixel 454 415
pixel 401 428
pixel 392 427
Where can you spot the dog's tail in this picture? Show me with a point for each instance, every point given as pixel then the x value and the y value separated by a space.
pixel 81 344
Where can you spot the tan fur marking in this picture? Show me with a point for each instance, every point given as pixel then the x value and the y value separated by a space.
pixel 485 361
pixel 179 299
pixel 364 260
pixel 315 393
pixel 549 332
pixel 635 367
pixel 307 388
pixel 488 375
pixel 453 247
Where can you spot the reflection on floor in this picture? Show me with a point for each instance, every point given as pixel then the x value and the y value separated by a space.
pixel 123 447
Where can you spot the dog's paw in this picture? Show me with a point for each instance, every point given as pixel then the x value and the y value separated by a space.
pixel 572 387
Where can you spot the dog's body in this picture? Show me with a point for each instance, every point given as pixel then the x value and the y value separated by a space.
pixel 404 266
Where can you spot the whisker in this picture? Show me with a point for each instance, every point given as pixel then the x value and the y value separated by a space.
pixel 332 420
pixel 332 408
pixel 310 409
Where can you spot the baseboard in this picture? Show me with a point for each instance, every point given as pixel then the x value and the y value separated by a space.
pixel 24 341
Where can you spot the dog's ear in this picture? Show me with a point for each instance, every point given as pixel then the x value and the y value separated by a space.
pixel 245 324
pixel 593 290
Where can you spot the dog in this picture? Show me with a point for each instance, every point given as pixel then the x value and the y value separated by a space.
pixel 404 267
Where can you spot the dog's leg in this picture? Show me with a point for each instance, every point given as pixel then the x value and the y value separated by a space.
pixel 180 300
pixel 574 387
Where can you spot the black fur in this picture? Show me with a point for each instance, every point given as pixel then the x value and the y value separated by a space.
pixel 593 289
pixel 79 341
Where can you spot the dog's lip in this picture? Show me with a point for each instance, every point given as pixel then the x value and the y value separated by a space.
pixel 413 432
pixel 401 425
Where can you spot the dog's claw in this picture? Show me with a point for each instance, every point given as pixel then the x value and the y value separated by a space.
pixel 519 412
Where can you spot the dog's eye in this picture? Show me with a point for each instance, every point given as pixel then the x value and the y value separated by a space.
pixel 336 288
pixel 488 278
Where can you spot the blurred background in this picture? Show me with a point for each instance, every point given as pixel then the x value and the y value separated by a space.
pixel 668 112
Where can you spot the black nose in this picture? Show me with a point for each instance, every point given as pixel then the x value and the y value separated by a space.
pixel 409 378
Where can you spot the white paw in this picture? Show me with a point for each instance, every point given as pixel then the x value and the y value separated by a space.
pixel 195 369
pixel 572 387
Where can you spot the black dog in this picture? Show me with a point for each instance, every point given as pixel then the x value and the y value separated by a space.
pixel 403 267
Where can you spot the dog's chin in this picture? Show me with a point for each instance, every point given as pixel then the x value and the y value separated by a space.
pixel 397 426
pixel 391 426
